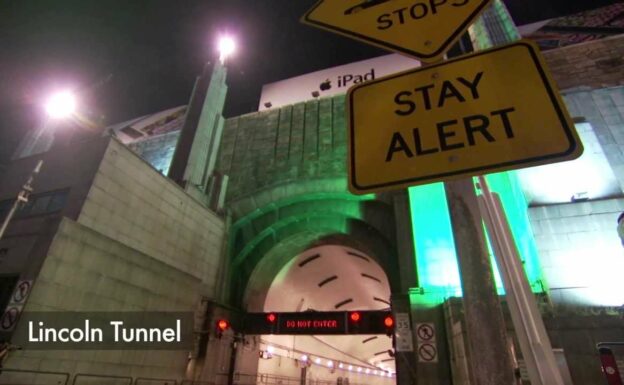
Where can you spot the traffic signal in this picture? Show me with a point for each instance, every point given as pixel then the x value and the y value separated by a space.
pixel 355 319
pixel 389 324
pixel 222 326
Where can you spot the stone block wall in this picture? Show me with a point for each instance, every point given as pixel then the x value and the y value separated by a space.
pixel 133 204
pixel 595 64
pixel 87 271
pixel 139 243
pixel 304 141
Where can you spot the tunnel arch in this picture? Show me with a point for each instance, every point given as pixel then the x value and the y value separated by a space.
pixel 265 238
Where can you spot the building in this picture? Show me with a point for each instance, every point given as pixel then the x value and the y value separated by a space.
pixel 234 213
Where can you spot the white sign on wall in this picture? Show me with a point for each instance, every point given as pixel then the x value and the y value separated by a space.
pixel 331 81
pixel 403 333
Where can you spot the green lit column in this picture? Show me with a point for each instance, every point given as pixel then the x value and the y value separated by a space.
pixel 494 27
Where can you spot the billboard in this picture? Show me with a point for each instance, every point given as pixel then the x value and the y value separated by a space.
pixel 331 81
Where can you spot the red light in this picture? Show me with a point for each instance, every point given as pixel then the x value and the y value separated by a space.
pixel 271 317
pixel 389 321
pixel 355 316
pixel 223 325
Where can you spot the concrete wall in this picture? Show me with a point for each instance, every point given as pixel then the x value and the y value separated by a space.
pixel 87 271
pixel 133 204
pixel 580 252
pixel 139 243
pixel 578 335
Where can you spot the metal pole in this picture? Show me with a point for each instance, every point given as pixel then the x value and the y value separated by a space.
pixel 22 197
pixel 529 326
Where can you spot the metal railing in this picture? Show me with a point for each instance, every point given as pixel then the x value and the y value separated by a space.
pixel 154 381
pixel 36 377
pixel 30 377
pixel 100 379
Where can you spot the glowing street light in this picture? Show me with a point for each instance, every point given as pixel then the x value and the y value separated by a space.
pixel 61 105
pixel 227 46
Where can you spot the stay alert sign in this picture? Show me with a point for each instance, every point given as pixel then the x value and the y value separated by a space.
pixel 492 111
pixel 425 29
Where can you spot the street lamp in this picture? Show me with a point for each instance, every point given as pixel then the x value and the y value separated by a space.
pixel 59 105
pixel 227 46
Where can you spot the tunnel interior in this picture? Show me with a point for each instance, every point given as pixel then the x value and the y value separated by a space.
pixel 329 277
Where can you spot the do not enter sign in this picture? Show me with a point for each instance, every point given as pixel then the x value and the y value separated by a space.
pixel 492 111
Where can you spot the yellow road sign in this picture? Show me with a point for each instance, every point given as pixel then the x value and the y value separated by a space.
pixel 491 111
pixel 422 28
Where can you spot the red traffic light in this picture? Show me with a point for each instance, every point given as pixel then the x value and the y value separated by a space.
pixel 271 317
pixel 354 316
pixel 223 325
pixel 389 321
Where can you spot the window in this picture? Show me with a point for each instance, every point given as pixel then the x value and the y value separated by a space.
pixel 37 204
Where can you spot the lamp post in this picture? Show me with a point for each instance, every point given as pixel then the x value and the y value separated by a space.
pixel 60 105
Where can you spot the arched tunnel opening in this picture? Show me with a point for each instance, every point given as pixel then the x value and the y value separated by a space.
pixel 328 278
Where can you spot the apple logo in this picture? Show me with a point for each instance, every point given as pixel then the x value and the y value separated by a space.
pixel 325 85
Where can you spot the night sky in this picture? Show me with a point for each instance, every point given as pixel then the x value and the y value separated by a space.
pixel 128 58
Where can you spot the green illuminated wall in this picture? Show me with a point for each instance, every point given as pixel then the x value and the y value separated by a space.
pixel 436 260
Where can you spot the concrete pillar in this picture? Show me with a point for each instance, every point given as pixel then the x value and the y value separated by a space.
pixel 196 151
pixel 409 369
pixel 490 359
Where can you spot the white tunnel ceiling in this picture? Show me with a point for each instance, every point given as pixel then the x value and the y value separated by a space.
pixel 333 278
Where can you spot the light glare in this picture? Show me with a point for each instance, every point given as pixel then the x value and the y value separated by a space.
pixel 61 105
pixel 227 46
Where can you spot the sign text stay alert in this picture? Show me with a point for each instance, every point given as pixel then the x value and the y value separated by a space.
pixel 490 111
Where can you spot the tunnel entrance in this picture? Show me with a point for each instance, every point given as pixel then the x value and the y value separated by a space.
pixel 318 295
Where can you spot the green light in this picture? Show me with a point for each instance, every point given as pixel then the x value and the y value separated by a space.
pixel 507 185
pixel 436 261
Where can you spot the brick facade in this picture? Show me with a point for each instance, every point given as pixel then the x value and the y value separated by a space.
pixel 595 64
